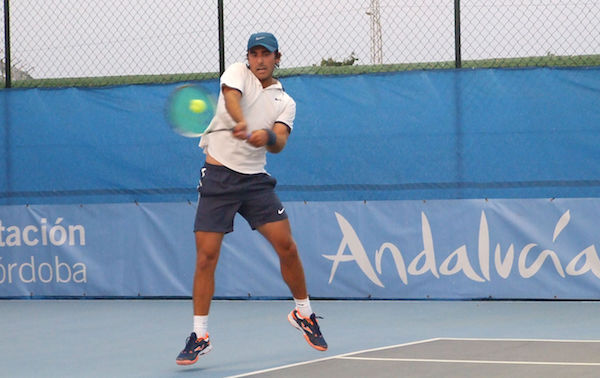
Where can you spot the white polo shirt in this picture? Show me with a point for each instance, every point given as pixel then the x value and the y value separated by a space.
pixel 262 108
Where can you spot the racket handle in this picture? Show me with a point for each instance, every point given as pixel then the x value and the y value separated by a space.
pixel 230 130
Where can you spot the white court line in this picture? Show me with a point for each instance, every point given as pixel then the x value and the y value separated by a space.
pixel 348 356
pixel 502 339
pixel 472 361
pixel 330 358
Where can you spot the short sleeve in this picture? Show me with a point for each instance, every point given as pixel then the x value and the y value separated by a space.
pixel 288 114
pixel 234 76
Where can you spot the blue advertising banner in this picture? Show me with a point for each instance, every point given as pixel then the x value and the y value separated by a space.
pixel 446 249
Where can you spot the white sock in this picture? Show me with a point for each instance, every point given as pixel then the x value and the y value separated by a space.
pixel 200 325
pixel 303 307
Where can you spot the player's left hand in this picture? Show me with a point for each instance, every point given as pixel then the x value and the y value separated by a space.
pixel 258 138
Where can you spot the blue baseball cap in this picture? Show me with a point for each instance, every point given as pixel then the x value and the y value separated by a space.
pixel 267 40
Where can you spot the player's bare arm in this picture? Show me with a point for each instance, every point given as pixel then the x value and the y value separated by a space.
pixel 282 132
pixel 233 105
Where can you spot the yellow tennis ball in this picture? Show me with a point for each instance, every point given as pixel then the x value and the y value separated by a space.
pixel 197 106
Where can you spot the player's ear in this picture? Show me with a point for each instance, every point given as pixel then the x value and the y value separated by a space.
pixel 277 58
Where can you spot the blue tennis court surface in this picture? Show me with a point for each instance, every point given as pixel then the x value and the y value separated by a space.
pixel 141 338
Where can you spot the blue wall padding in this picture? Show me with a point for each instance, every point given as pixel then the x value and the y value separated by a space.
pixel 502 133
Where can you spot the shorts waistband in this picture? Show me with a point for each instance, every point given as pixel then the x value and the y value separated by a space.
pixel 226 169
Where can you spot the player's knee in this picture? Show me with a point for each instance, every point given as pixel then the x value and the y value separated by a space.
pixel 206 260
pixel 288 250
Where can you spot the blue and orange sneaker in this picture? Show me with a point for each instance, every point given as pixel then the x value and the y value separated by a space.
pixel 309 328
pixel 194 347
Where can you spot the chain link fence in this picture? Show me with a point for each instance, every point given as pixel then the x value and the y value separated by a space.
pixel 94 42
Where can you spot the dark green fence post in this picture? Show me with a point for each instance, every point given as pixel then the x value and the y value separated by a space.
pixel 221 38
pixel 457 58
pixel 6 46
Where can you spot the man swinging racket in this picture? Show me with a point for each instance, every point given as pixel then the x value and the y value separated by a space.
pixel 253 104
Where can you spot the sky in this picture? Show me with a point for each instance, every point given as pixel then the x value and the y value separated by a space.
pixel 77 38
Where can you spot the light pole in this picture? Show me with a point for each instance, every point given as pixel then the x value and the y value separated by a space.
pixel 375 33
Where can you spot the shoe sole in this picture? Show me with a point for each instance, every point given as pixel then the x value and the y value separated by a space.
pixel 191 362
pixel 295 325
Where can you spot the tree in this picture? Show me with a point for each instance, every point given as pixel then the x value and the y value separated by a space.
pixel 333 63
pixel 17 71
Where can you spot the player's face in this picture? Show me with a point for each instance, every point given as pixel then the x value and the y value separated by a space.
pixel 262 63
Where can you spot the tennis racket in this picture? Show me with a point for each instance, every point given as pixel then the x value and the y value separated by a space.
pixel 190 109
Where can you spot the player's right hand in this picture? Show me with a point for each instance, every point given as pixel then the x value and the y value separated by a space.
pixel 240 130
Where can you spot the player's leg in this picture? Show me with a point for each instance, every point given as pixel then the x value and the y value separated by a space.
pixel 208 245
pixel 264 212
pixel 279 234
pixel 217 206
pixel 215 213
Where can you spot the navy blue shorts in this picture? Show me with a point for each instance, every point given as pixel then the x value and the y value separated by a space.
pixel 222 193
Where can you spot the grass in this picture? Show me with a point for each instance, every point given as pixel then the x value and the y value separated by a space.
pixel 536 61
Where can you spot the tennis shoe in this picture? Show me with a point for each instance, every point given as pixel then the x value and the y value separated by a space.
pixel 194 347
pixel 309 328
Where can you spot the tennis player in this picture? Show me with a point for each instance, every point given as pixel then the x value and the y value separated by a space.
pixel 234 180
